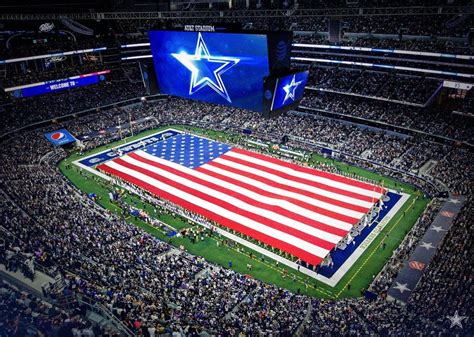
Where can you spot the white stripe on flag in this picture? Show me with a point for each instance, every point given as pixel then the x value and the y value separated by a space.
pixel 276 190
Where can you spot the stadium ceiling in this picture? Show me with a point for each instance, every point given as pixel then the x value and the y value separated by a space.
pixel 215 14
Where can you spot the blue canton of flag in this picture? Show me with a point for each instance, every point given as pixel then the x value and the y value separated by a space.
pixel 188 150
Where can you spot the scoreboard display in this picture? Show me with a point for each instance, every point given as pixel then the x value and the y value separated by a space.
pixel 215 67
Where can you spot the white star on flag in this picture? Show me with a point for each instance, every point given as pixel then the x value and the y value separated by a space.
pixel 454 201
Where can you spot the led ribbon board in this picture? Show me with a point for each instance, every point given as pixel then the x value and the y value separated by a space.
pixel 221 68
pixel 57 85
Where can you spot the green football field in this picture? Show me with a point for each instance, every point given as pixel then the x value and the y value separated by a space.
pixel 359 275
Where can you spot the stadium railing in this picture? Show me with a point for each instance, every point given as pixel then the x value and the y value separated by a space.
pixel 101 310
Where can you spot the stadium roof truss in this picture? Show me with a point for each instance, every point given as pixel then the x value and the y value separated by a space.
pixel 322 12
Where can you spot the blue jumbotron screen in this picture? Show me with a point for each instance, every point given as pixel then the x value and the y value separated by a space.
pixel 222 68
pixel 289 89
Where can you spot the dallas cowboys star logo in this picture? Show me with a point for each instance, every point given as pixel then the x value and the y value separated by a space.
pixel 206 70
pixel 437 229
pixel 290 89
pixel 456 320
pixel 402 287
pixel 454 201
pixel 427 245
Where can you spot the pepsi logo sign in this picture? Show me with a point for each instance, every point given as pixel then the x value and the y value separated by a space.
pixel 60 137
pixel 57 136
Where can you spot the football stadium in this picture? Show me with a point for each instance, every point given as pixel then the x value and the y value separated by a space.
pixel 236 168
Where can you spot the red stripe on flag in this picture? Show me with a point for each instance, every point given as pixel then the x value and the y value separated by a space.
pixel 294 201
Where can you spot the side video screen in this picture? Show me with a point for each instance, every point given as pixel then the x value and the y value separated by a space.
pixel 289 89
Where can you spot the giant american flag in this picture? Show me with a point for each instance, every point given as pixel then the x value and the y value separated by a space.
pixel 302 211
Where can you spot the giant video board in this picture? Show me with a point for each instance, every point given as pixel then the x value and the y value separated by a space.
pixel 221 68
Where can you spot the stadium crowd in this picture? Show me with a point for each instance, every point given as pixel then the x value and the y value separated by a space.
pixel 428 25
pixel 431 120
pixel 66 102
pixel 24 314
pixel 153 287
pixel 412 89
